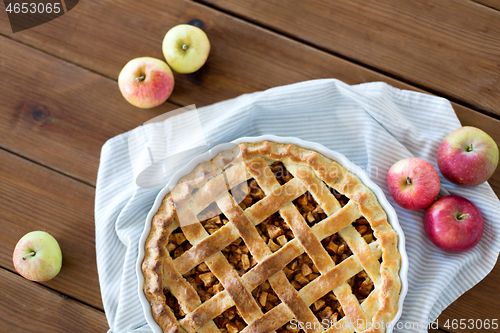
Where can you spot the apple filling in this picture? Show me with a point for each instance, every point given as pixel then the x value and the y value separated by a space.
pixel 276 233
pixel 238 255
pixel 301 271
pixel 230 321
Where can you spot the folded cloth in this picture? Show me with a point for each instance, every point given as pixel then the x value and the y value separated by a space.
pixel 372 124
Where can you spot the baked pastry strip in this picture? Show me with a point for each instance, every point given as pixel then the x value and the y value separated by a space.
pixel 275 199
pixel 280 284
pixel 331 173
pixel 224 272
pixel 208 193
pixel 260 251
pixel 249 235
pixel 276 317
pixel 292 299
pixel 246 229
pixel 252 279
pixel 328 281
pixel 182 192
pixel 219 266
pixel 181 289
pixel 336 222
pixel 315 186
pixel 153 266
pixel 302 233
pixel 203 315
pixel 377 218
pixel 311 244
pixel 343 292
pixel 347 183
pixel 294 249
pixel 205 248
pixel 257 275
pixel 362 252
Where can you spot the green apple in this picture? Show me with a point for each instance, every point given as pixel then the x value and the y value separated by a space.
pixel 186 48
pixel 37 256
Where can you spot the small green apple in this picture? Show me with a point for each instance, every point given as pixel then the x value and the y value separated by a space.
pixel 186 48
pixel 37 256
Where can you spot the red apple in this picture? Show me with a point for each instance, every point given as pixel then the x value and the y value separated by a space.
pixel 37 256
pixel 454 223
pixel 146 82
pixel 413 183
pixel 467 156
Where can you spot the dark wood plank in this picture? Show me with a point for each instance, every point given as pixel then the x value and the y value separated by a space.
pixel 481 303
pixel 36 198
pixel 450 47
pixel 495 4
pixel 59 114
pixel 245 58
pixel 237 65
pixel 29 307
pixel 98 35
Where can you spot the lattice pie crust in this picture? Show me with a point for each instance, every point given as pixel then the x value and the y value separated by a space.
pixel 271 237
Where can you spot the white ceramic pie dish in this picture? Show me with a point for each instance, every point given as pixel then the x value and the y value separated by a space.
pixel 210 154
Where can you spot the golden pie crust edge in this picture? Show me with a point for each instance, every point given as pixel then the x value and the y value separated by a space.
pixel 330 171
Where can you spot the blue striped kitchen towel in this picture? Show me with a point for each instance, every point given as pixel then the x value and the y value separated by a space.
pixel 372 124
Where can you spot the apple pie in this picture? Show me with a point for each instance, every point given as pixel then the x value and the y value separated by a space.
pixel 271 237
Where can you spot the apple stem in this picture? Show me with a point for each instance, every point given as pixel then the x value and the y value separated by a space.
pixel 462 216
pixel 408 180
pixel 140 78
pixel 31 254
pixel 184 47
pixel 470 148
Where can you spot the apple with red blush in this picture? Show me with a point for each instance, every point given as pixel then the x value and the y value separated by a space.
pixel 454 223
pixel 413 183
pixel 146 82
pixel 37 256
pixel 467 156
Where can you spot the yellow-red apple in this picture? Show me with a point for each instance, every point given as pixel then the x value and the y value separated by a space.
pixel 37 256
pixel 146 82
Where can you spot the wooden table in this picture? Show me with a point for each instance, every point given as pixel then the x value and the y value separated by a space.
pixel 59 102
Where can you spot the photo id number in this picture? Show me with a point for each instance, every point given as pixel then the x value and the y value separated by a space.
pixel 471 324
pixel 33 8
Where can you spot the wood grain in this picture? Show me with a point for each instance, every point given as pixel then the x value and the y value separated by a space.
pixel 494 4
pixel 59 114
pixel 88 109
pixel 30 307
pixel 104 35
pixel 36 198
pixel 231 70
pixel 450 47
pixel 481 302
